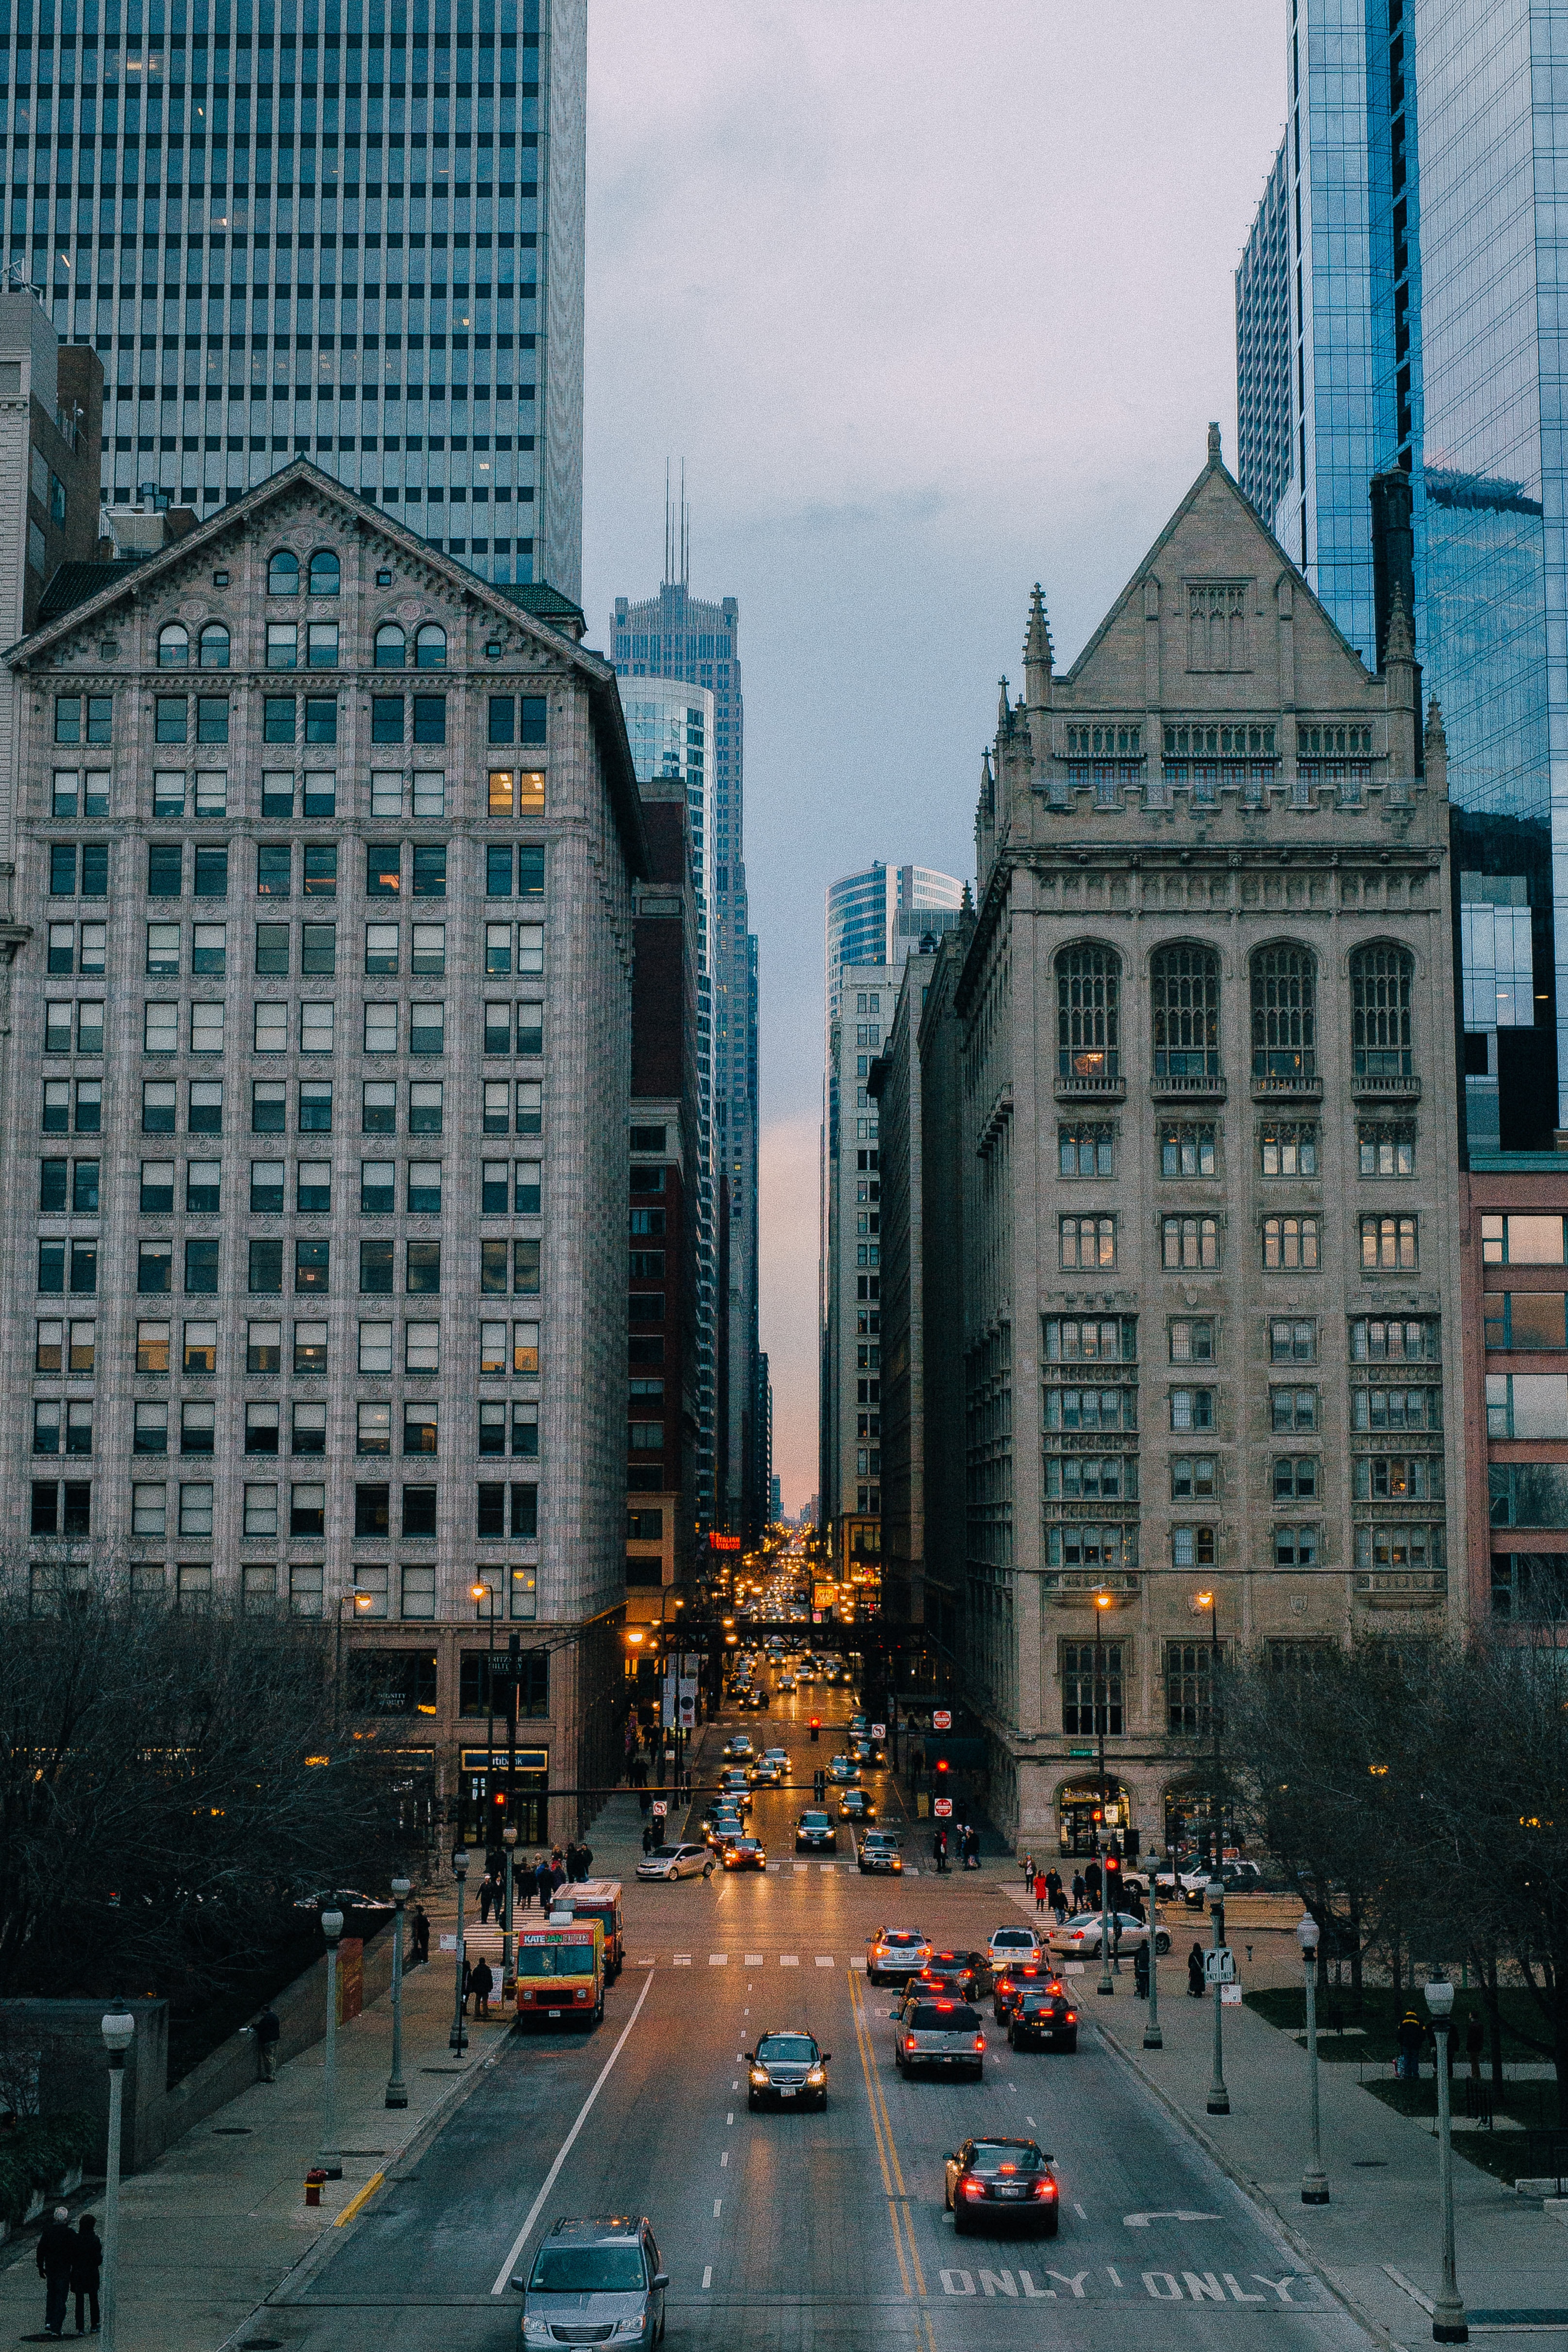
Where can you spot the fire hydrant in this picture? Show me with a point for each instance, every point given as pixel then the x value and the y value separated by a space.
pixel 314 2187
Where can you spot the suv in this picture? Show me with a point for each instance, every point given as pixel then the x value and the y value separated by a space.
pixel 815 1833
pixel 593 2280
pixel 879 1850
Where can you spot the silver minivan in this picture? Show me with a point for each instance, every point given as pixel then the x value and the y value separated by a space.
pixel 935 2032
pixel 595 2281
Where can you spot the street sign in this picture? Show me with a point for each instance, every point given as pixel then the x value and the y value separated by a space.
pixel 942 1718
pixel 1219 1966
pixel 878 1731
pixel 505 1668
pixel 942 1808
pixel 1230 1992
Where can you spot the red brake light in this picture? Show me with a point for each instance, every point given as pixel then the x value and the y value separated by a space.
pixel 975 2189
pixel 909 2041
pixel 1072 2017
pixel 947 2004
pixel 980 2042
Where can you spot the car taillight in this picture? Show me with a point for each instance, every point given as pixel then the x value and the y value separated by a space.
pixel 909 2041
pixel 1044 2187
pixel 975 2189
pixel 1072 2017
pixel 980 2042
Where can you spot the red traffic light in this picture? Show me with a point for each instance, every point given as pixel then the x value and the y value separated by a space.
pixel 817 1723
pixel 941 1763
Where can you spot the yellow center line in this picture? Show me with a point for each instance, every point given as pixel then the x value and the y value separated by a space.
pixel 884 2128
pixel 868 2066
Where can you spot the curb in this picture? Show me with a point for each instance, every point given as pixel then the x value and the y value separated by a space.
pixel 1262 2204
pixel 300 2273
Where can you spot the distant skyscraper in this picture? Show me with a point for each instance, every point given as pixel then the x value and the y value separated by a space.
pixel 676 636
pixel 879 915
pixel 353 229
pixel 1422 350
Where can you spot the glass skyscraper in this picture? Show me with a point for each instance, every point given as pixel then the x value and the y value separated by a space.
pixel 1421 259
pixel 678 637
pixel 347 227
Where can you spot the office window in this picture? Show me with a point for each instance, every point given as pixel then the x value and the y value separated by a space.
pixel 152 1347
pixel 1092 1689
pixel 1293 1409
pixel 421 1347
pixel 426 1028
pixel 159 1029
pixel 375 1429
pixel 424 1188
pixel 266 1266
pixel 277 792
pixel 423 1266
pixel 196 1427
pixel 154 1268
pixel 315 1106
pixel 268 1106
pixel 1190 1242
pixel 318 949
pixel 1381 980
pixel 207 1028
pixel 321 869
pixel 322 646
pixel 1524 1320
pixel 429 719
pixel 1387 1147
pixel 264 1347
pixel 418 1593
pixel 307 1510
pixel 322 719
pixel 165 869
pixel 274 869
pixel 1194 1478
pixel 1393 1340
pixel 307 1582
pixel 1292 1343
pixel 420 1432
pixel 271 948
pixel 1187 1151
pixel 309 1432
pixel 430 957
pixel 310 1346
pixel 381 948
pixel 1192 1340
pixel 1284 1017
pixel 1295 1547
pixel 1082 1242
pixel 1521 1240
pixel 1183 982
pixel 429 794
pixel 375 1347
pixel 1523 1493
pixel 325 576
pixel 1192 1408
pixel 419 1510
pixel 283 573
pixel 1290 1243
pixel 201 1265
pixel 386 718
pixel 425 1105
pixel 316 1025
pixel 312 1265
pixel 430 869
pixel 149 1510
pixel 261 1509
pixel 1192 1687
pixel 1090 1409
pixel 261 1426
pixel 382 869
pixel 390 646
pixel 1388 1244
pixel 162 957
pixel 209 949
pixel 376 1267
pixel 1295 1478
pixel 151 1431
pixel 1191 1547
pixel 196 1509
pixel 378 1111
pixel 171 718
pixel 278 720
pixel 1088 1014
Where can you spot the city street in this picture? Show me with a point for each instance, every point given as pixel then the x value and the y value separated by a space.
pixel 784 2229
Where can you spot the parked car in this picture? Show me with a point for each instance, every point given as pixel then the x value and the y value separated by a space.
pixel 1081 1935
pixel 676 1862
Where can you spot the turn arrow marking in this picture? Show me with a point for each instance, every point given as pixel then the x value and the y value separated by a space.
pixel 1141 2221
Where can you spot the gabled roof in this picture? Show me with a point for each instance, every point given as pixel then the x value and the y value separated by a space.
pixel 74 583
pixel 534 616
pixel 1216 466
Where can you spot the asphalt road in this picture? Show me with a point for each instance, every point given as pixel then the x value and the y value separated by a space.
pixel 783 2231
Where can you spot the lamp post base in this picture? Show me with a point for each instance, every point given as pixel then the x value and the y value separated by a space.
pixel 457 2043
pixel 1152 2038
pixel 1219 2101
pixel 396 2096
pixel 1450 2331
pixel 1315 2188
pixel 1107 1991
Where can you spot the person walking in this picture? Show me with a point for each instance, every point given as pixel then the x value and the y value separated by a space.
pixel 939 1851
pixel 1042 1889
pixel 56 2258
pixel 557 1871
pixel 421 1935
pixel 1078 1892
pixel 467 1984
pixel 1411 2036
pixel 543 1883
pixel 87 2263
pixel 648 1837
pixel 972 1848
pixel 585 1862
pixel 523 1888
pixel 1195 1972
pixel 268 2032
pixel 482 1980
pixel 1026 1863
pixel 487 1897
pixel 1092 1885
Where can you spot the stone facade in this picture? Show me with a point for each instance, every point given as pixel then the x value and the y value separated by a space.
pixel 851 1431
pixel 895 1086
pixel 317 1111
pixel 1206 1142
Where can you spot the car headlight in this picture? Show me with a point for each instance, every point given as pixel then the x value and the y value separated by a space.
pixel 816 2075
pixel 625 2328
pixel 537 2331
pixel 760 2077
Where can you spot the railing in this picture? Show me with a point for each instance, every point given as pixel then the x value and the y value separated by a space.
pixel 1370 1084
pixel 1167 1087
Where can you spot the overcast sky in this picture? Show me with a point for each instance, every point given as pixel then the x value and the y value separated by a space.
pixel 934 303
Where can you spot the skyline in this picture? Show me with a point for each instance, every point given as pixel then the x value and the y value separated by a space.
pixel 798 131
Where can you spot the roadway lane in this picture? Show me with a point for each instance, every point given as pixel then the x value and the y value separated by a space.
pixel 786 2230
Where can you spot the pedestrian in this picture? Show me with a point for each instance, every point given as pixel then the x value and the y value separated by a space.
pixel 522 1888
pixel 421 1935
pixel 1078 1892
pixel 1410 2037
pixel 1091 1883
pixel 467 1984
pixel 544 1884
pixel 1195 1972
pixel 86 2265
pixel 557 1871
pixel 1475 2042
pixel 1026 1863
pixel 56 2258
pixel 648 1837
pixel 585 1862
pixel 482 1980
pixel 1041 1890
pixel 972 1848
pixel 268 2031
pixel 1116 1941
pixel 487 1897
pixel 939 1851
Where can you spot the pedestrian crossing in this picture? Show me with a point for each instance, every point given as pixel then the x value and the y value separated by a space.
pixel 854 1960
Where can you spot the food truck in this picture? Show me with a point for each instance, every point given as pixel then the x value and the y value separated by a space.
pixel 560 1972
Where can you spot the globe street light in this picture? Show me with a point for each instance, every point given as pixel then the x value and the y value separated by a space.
pixel 1314 2180
pixel 118 2031
pixel 332 1929
pixel 396 2089
pixel 459 2035
pixel 1448 2322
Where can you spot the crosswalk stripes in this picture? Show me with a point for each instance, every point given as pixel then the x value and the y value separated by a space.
pixel 789 1960
pixel 718 1960
pixel 825 1959
pixel 681 1960
pixel 753 1959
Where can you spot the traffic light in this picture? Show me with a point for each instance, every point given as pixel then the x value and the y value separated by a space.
pixel 817 1726
pixel 1112 1883
pixel 941 1763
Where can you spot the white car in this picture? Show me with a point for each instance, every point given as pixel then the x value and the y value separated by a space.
pixel 1012 1944
pixel 1081 1935
pixel 676 1862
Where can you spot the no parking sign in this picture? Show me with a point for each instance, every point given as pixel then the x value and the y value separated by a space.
pixel 942 1808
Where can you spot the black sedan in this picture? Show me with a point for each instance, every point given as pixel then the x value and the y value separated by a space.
pixel 815 1833
pixel 1042 2017
pixel 993 2183
pixel 965 1975
pixel 787 2068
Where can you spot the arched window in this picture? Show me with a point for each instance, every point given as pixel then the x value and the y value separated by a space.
pixel 326 578
pixel 283 573
pixel 174 646
pixel 391 646
pixel 1088 1031
pixel 1184 984
pixel 430 647
pixel 214 646
pixel 1379 1011
pixel 1284 1016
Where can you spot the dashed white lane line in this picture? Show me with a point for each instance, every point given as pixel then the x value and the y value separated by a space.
pixel 718 1960
pixel 718 2207
pixel 723 2159
pixel 1032 2123
pixel 707 2274
pixel 827 1866
pixel 1080 2211
pixel 731 2116
pixel 825 1959
pixel 789 1960
pixel 801 1867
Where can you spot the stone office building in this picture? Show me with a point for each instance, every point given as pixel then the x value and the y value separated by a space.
pixel 316 1112
pixel 1205 1139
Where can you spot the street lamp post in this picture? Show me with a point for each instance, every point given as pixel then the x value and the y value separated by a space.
pixel 1153 2037
pixel 332 1929
pixel 1218 2098
pixel 1314 2180
pixel 1102 1601
pixel 509 1840
pixel 1449 2325
pixel 354 1600
pixel 396 2089
pixel 482 1590
pixel 119 2030
pixel 459 2036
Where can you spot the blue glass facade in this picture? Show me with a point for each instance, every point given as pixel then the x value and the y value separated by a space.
pixel 1263 349
pixel 318 226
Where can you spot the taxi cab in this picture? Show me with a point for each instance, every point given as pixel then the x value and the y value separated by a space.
pixel 561 1973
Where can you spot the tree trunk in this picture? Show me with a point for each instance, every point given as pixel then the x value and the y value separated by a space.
pixel 1494 2020
pixel 1355 1951
pixel 1559 2034
pixel 1395 1958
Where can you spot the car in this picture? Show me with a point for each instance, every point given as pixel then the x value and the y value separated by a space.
pixel 867 1752
pixel 861 1725
pixel 787 1681
pixel 806 1674
pixel 879 1850
pixel 1017 1977
pixel 939 2034
pixel 743 1854
pixel 767 1774
pixel 1012 1943
pixel 1236 1877
pixel 790 2065
pixel 757 1698
pixel 735 1783
pixel 776 1756
pixel 893 1954
pixel 1081 1935
pixel 591 2281
pixel 994 2181
pixel 1042 2017
pixel 965 1975
pixel 844 1770
pixel 815 1833
pixel 738 1749
pixel 724 1823
pixel 854 1805
pixel 676 1862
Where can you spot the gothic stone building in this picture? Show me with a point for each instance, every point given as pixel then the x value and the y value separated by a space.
pixel 1206 1135
pixel 315 1112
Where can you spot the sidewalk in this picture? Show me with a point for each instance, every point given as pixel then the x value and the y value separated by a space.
pixel 1513 2258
